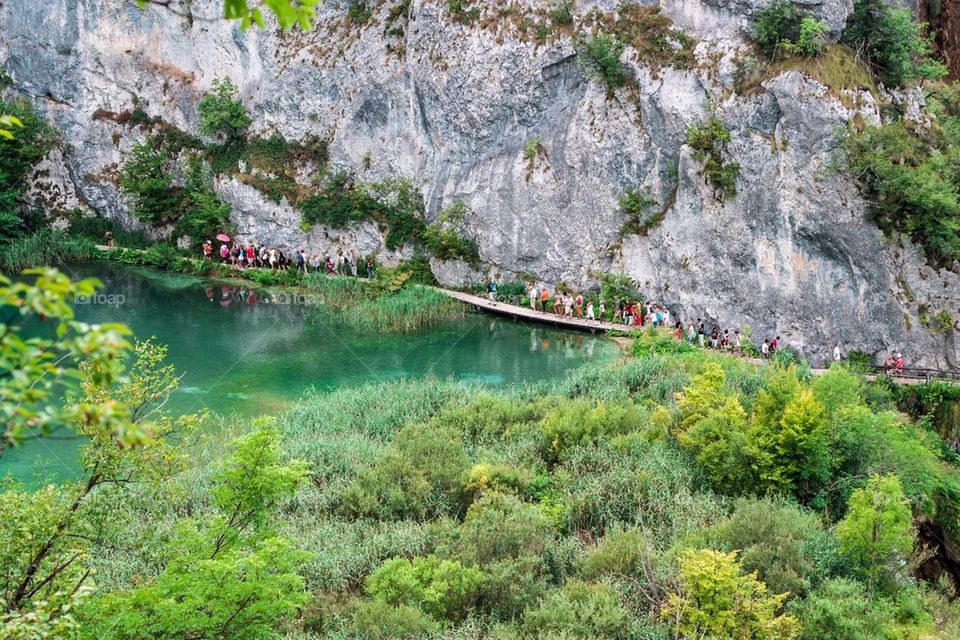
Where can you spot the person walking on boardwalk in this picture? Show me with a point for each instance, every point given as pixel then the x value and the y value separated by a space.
pixel 369 268
pixel 544 296
pixel 836 352
pixel 899 365
pixel 765 349
pixel 578 305
pixel 590 316
pixel 492 293
pixel 534 296
pixel 603 311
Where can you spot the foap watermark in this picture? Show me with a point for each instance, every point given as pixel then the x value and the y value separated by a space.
pixel 292 297
pixel 100 298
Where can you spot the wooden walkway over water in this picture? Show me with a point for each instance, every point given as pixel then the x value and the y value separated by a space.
pixel 526 313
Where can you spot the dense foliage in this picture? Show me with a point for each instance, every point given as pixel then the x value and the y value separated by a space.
pixel 30 142
pixel 672 495
pixel 894 44
pixel 599 57
pixel 910 174
pixel 782 27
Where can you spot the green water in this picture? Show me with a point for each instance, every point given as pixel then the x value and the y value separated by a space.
pixel 246 352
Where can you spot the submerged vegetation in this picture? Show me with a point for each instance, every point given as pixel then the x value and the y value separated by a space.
pixel 674 494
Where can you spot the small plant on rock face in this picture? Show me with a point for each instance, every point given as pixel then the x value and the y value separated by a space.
pixel 637 204
pixel 562 12
pixel 532 148
pixel 708 139
pixel 599 57
pixel 221 113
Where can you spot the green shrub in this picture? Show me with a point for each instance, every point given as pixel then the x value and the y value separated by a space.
pixel 222 115
pixel 378 620
pixel 840 609
pixel 709 139
pixel 561 12
pixel 448 244
pixel 420 477
pixel 896 47
pixel 636 204
pixel 359 12
pixel 500 527
pixel 582 422
pixel 621 552
pixel 463 11
pixel 444 589
pixel 716 600
pixel 146 178
pixel 93 229
pixel 908 182
pixel 785 545
pixel 776 23
pixel 29 145
pixel 659 342
pixel 579 610
pixel 599 57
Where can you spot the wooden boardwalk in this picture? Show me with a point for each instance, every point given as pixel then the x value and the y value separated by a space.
pixel 528 314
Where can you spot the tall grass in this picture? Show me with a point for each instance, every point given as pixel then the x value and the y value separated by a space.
pixel 44 247
pixel 362 306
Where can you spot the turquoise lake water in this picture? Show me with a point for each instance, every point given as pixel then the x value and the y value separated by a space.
pixel 251 352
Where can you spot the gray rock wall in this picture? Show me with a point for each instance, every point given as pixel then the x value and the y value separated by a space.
pixel 791 253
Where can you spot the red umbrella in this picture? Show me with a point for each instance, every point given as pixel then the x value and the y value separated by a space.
pixel 222 237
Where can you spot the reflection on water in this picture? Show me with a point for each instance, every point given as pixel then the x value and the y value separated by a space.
pixel 251 352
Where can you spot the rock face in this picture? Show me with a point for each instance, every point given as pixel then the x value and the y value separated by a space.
pixel 453 106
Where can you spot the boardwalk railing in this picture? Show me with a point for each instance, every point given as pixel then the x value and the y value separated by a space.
pixel 919 373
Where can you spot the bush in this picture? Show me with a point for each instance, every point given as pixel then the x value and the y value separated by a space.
pixel 620 553
pixel 775 24
pixel 579 610
pixel 840 609
pixel 785 545
pixel 908 182
pixel 716 600
pixel 29 145
pixel 420 477
pixel 895 46
pixel 783 27
pixel 146 179
pixel 500 527
pixel 636 204
pixel 599 57
pixel 222 115
pixel 581 422
pixel 444 589
pixel 708 139
pixel 380 621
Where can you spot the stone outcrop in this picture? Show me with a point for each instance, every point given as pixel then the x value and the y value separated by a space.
pixel 452 106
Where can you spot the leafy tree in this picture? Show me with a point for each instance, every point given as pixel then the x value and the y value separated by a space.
pixel 47 536
pixel 205 212
pixel 35 369
pixel 895 46
pixel 719 442
pixel 146 178
pixel 877 532
pixel 222 115
pixel 775 24
pixel 809 42
pixel 791 453
pixel 716 601
pixel 18 154
pixel 599 57
pixel 228 574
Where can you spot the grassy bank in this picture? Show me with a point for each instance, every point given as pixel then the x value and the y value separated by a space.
pixel 594 506
pixel 393 301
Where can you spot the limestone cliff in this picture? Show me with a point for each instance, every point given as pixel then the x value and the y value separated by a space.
pixel 453 105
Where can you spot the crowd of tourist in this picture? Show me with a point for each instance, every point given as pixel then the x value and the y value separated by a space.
pixel 260 256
